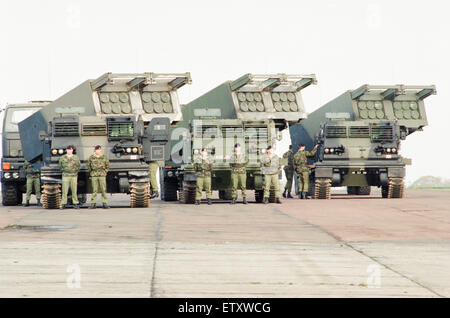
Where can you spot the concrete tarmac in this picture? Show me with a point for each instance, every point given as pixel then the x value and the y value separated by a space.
pixel 349 246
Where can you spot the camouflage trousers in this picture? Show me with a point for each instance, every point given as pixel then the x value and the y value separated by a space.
pixel 33 182
pixel 72 183
pixel 153 169
pixel 269 181
pixel 303 180
pixel 238 180
pixel 289 177
pixel 203 183
pixel 98 183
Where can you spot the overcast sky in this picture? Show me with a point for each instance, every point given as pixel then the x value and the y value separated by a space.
pixel 49 47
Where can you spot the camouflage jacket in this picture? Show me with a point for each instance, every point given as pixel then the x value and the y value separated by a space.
pixel 69 165
pixel 98 166
pixel 290 157
pixel 203 167
pixel 300 159
pixel 30 171
pixel 270 165
pixel 238 163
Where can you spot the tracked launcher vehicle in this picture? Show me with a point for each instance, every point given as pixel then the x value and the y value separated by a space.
pixel 359 134
pixel 129 115
pixel 251 110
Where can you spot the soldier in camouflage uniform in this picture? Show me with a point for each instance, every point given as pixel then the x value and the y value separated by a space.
pixel 238 174
pixel 69 165
pixel 203 167
pixel 289 172
pixel 98 166
pixel 301 167
pixel 153 169
pixel 33 180
pixel 270 166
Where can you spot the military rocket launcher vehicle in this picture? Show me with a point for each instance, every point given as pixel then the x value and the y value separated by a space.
pixel 129 115
pixel 251 110
pixel 359 134
pixel 13 176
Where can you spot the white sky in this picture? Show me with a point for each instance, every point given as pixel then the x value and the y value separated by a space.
pixel 49 47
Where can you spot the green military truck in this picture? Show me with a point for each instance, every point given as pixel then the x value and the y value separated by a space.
pixel 359 134
pixel 251 110
pixel 129 115
pixel 13 176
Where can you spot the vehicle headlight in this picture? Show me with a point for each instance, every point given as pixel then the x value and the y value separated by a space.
pixel 135 150
pixel 15 175
pixel 394 150
pixel 327 150
pixel 128 150
pixel 7 175
pixel 388 150
pixel 170 173
pixel 61 151
pixel 54 151
pixel 331 150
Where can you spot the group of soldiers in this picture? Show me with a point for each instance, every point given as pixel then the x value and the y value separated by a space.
pixel 98 166
pixel 69 163
pixel 270 167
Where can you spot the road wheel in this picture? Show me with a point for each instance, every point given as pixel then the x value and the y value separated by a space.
pixel 169 191
pixel 51 196
pixel 10 194
pixel 187 192
pixel 139 195
pixel 225 194
pixel 272 198
pixel 384 191
pixel 259 196
pixel 363 190
pixel 19 197
pixel 351 190
pixel 322 188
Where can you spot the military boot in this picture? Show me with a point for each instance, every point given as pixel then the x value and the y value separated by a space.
pixel 300 195
pixel 278 201
pixel 154 195
pixel 93 206
pixel 209 202
pixel 305 195
pixel 27 203
pixel 289 196
pixel 233 201
pixel 76 206
pixel 197 202
pixel 63 206
pixel 266 200
pixel 244 200
pixel 105 206
pixel 284 193
pixel 39 202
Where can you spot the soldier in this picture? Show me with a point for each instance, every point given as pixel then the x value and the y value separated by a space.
pixel 289 172
pixel 300 166
pixel 152 169
pixel 238 174
pixel 98 166
pixel 203 167
pixel 69 165
pixel 33 180
pixel 270 166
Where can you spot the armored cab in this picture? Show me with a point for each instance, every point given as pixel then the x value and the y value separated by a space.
pixel 359 134
pixel 129 115
pixel 13 177
pixel 252 111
